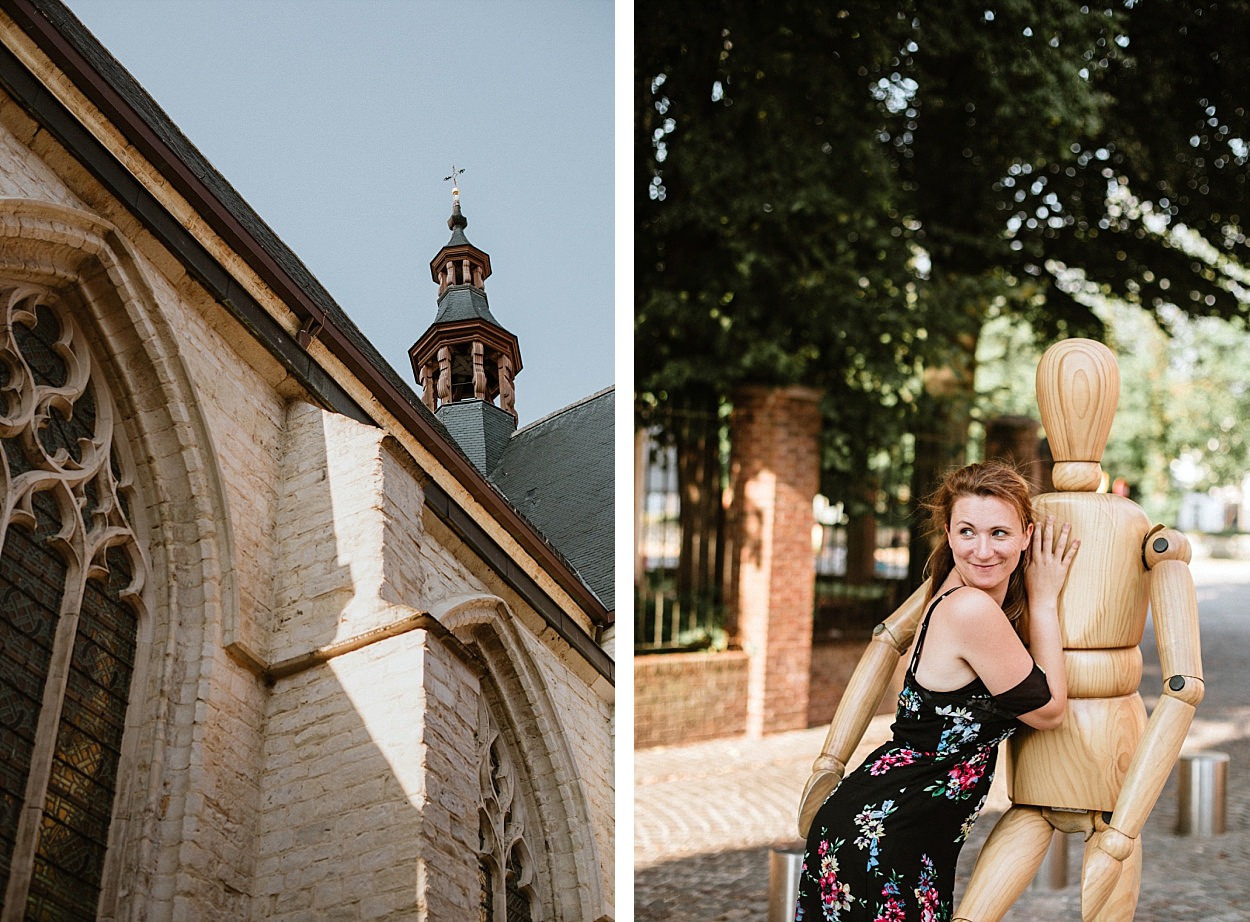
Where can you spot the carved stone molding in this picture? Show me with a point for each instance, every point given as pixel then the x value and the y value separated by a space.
pixel 56 431
pixel 72 574
pixel 509 883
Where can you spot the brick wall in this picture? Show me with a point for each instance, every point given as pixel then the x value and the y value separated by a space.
pixel 683 697
pixel 686 697
pixel 832 665
pixel 345 790
pixel 370 811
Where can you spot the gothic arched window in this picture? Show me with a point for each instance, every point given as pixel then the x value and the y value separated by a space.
pixel 70 571
pixel 504 860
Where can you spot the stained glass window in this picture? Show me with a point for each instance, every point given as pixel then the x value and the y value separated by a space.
pixel 79 802
pixel 485 878
pixel 68 518
pixel 31 584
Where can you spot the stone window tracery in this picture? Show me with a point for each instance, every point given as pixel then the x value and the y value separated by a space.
pixel 70 574
pixel 507 868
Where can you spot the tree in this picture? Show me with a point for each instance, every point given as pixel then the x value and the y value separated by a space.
pixel 817 203
pixel 1153 210
pixel 1183 393
pixel 841 196
pixel 769 247
pixel 984 93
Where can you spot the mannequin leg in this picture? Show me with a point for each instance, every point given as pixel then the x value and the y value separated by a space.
pixel 1011 856
pixel 1122 903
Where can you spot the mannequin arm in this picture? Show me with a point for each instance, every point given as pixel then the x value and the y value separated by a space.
pixel 890 640
pixel 1174 605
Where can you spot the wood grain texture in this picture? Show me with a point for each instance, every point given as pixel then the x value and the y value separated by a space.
pixel 1152 764
pixel 1175 604
pixel 1078 386
pixel 1103 603
pixel 1008 860
pixel 1081 764
pixel 1121 904
pixel 1103 673
pixel 1105 756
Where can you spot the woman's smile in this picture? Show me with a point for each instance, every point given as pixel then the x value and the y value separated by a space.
pixel 986 538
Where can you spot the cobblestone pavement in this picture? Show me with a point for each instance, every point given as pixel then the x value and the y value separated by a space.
pixel 707 816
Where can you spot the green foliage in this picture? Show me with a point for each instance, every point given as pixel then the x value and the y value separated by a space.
pixel 844 195
pixel 1208 397
pixel 1153 211
pixel 1139 446
pixel 1184 388
pixel 769 247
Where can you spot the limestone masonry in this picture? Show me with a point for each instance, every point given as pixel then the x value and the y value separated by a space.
pixel 302 658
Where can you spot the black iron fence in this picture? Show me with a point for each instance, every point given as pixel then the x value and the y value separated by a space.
pixel 676 609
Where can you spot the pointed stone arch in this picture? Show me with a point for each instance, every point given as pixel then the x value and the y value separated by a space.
pixel 551 845
pixel 166 477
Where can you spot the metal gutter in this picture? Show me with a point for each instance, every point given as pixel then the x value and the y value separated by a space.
pixel 46 109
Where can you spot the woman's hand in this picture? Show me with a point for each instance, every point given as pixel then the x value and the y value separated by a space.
pixel 1051 557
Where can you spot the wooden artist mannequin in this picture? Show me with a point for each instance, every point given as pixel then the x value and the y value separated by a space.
pixel 1100 772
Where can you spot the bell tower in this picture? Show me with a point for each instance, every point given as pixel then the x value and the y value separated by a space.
pixel 466 361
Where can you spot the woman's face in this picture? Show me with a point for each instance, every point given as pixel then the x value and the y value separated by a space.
pixel 986 538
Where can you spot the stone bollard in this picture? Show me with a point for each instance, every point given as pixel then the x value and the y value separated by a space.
pixel 1202 793
pixel 1052 874
pixel 784 865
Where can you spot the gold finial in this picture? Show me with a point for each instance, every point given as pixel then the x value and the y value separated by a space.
pixel 455 182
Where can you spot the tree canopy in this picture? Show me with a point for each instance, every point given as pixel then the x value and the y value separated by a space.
pixel 769 244
pixel 841 194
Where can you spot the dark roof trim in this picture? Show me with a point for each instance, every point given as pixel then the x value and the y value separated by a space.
pixel 97 159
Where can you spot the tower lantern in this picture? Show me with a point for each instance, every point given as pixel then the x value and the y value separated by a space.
pixel 465 355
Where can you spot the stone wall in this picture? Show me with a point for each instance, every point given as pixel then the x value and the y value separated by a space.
pixel 358 561
pixel 348 784
pixel 369 792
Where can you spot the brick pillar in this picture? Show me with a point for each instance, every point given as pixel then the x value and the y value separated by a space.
pixel 775 471
pixel 1014 439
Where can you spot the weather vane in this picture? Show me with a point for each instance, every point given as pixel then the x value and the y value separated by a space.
pixel 454 180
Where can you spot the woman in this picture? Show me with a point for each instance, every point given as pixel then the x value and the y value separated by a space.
pixel 884 845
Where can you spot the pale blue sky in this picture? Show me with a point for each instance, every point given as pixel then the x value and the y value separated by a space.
pixel 337 121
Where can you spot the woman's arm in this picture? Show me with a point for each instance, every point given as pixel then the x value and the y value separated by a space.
pixel 989 645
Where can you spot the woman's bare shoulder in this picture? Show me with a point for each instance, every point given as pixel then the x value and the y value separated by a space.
pixel 972 609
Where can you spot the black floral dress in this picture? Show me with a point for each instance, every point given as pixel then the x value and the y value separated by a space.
pixel 884 845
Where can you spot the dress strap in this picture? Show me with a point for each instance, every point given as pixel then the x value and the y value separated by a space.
pixel 924 628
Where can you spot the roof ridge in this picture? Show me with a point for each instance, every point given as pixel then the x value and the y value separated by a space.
pixel 565 409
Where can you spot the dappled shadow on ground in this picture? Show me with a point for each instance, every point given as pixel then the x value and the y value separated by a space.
pixel 1184 878
pixel 713 887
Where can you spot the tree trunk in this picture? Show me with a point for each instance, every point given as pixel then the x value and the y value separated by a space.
pixel 861 537
pixel 699 488
pixel 941 440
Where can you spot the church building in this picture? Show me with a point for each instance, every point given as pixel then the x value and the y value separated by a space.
pixel 283 634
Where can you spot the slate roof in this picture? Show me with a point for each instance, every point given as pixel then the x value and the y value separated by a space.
pixel 559 473
pixel 464 302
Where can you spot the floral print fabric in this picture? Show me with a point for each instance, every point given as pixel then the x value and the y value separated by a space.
pixel 884 845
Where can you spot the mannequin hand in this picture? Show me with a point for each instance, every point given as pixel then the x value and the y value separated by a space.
pixel 819 787
pixel 1051 557
pixel 1102 869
